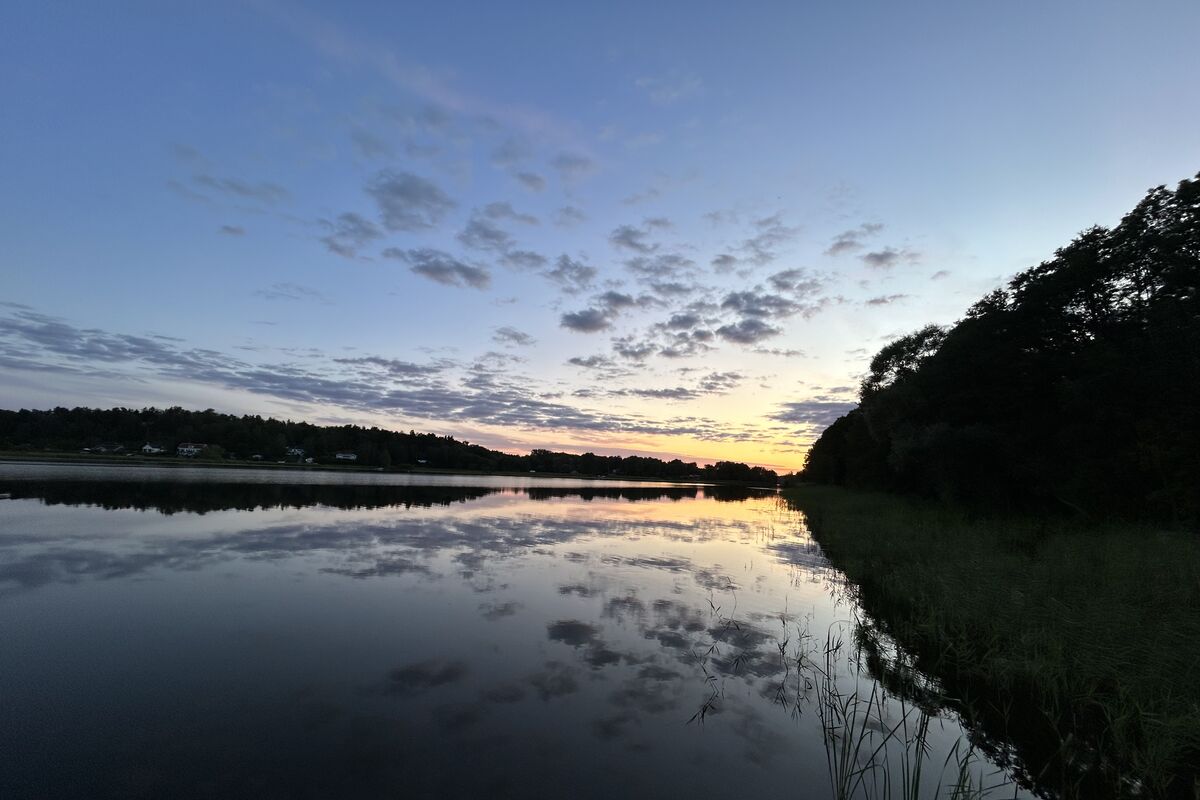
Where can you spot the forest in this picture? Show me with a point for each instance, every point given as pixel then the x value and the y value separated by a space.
pixel 228 437
pixel 1075 387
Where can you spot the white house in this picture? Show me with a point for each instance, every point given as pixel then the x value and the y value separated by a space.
pixel 297 452
pixel 152 449
pixel 190 449
pixel 346 456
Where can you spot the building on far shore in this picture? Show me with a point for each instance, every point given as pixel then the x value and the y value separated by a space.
pixel 190 449
pixel 344 456
pixel 152 449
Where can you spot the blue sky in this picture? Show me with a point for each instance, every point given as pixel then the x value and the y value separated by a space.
pixel 678 229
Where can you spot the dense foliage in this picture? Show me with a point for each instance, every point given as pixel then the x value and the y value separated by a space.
pixel 1076 386
pixel 232 437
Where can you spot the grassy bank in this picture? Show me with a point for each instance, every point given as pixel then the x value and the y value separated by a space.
pixel 1080 646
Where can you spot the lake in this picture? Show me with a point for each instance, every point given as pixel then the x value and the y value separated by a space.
pixel 208 632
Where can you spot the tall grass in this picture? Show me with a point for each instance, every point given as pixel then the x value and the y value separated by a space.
pixel 1079 646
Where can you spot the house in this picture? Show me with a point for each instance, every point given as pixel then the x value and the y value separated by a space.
pixel 297 452
pixel 109 447
pixel 152 449
pixel 190 449
pixel 343 456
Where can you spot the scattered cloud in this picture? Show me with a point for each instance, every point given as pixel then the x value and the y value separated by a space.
pixel 511 336
pixel 569 216
pixel 531 181
pixel 442 267
pixel 748 331
pixel 939 275
pixel 505 210
pixel 572 166
pixel 370 146
pixel 232 230
pixel 348 233
pixel 887 299
pixel 818 413
pixel 888 257
pixel 482 233
pixel 408 202
pixel 292 291
pixel 589 320
pixel 769 234
pixel 571 275
pixel 509 153
pixel 264 191
pixel 852 240
pixel 634 239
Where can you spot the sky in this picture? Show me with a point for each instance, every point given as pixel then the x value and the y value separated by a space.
pixel 672 229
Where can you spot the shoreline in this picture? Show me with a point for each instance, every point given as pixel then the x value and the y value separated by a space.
pixel 174 462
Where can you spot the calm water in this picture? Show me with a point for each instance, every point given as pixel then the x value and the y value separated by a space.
pixel 222 633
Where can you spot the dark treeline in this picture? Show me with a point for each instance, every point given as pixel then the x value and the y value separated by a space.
pixel 199 497
pixel 1077 386
pixel 247 437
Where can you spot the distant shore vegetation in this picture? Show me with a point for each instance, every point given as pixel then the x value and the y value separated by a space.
pixel 1076 387
pixel 215 437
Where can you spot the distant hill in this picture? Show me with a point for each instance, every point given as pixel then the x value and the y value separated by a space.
pixel 217 436
pixel 1077 386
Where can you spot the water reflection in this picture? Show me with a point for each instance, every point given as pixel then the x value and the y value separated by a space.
pixel 381 640
pixel 201 497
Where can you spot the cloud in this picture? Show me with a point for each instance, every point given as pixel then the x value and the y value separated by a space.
pixel 724 262
pixel 672 288
pixel 232 230
pixel 662 223
pixel 819 413
pixel 748 331
pixel 939 275
pixel 777 351
pixel 797 281
pixel 369 384
pixel 851 240
pixel 671 88
pixel 292 291
pixel 885 300
pixel 770 233
pixel 442 267
pixel 572 166
pixel 629 348
pixel 573 276
pixel 589 320
pixel 349 232
pixel 506 211
pixel 264 191
pixel 604 309
pixel 662 265
pixel 757 304
pixel 523 259
pixel 889 257
pixel 408 202
pixel 483 234
pixel 628 237
pixel 369 145
pixel 569 216
pixel 652 193
pixel 507 335
pixel 509 153
pixel 684 321
pixel 591 362
pixel 394 368
pixel 531 181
